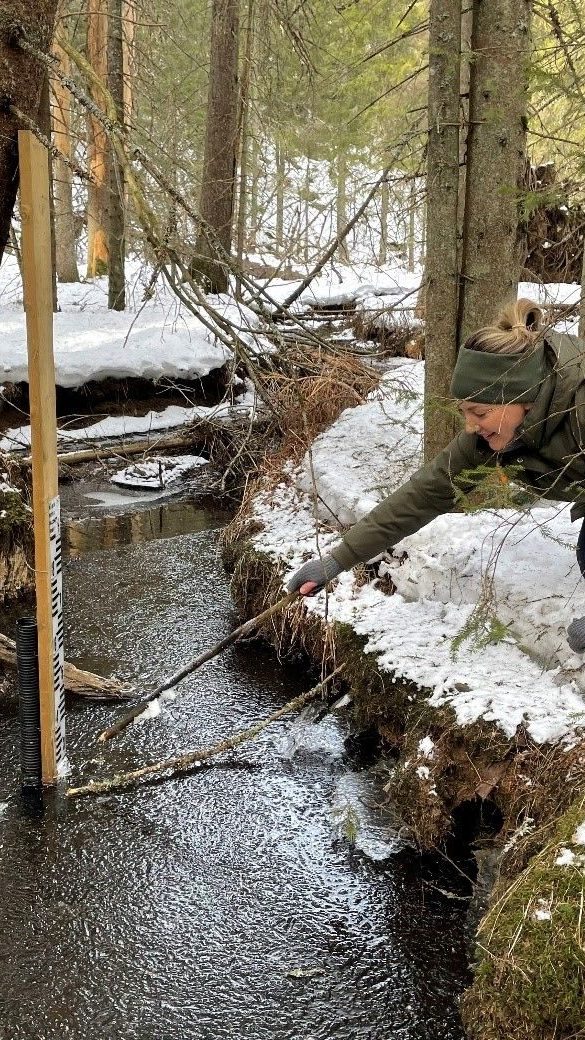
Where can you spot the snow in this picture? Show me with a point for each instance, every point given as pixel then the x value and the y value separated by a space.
pixel 426 748
pixel 132 425
pixel 153 339
pixel 543 911
pixel 157 471
pixel 531 678
pixel 579 835
pixel 566 858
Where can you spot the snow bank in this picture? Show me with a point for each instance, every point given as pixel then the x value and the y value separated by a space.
pixel 153 339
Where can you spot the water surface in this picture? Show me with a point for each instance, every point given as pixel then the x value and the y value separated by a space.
pixel 224 904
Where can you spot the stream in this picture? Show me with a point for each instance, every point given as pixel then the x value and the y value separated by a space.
pixel 233 902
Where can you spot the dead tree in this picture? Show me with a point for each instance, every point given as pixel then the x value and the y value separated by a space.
pixel 97 192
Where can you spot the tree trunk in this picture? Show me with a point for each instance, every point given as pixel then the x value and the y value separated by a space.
pixel 45 126
pixel 129 19
pixel 97 193
pixel 221 142
pixel 245 139
pixel 495 159
pixel 441 283
pixel 65 237
pixel 384 206
pixel 21 81
pixel 341 208
pixel 255 177
pixel 280 178
pixel 464 85
pixel 582 304
pixel 116 223
pixel 306 211
pixel 412 226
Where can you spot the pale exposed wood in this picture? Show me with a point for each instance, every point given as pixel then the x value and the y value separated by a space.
pixel 77 680
pixel 97 199
pixel 37 273
pixel 129 58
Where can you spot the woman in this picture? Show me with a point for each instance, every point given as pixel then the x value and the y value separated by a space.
pixel 521 391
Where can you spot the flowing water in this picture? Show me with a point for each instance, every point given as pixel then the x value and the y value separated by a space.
pixel 228 903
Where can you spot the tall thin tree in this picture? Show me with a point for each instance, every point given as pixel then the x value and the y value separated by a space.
pixel 65 231
pixel 441 286
pixel 116 195
pixel 221 143
pixel 97 192
pixel 496 144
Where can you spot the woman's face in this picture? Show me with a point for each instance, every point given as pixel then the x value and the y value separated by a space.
pixel 496 423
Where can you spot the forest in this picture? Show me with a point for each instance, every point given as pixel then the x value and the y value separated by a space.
pixel 316 281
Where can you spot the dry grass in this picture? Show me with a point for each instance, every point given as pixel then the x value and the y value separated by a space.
pixel 322 384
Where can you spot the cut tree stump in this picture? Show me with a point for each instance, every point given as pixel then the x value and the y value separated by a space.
pixel 77 681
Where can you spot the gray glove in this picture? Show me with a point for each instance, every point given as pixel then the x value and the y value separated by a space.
pixel 576 635
pixel 321 570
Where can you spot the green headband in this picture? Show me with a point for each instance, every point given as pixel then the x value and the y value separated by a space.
pixel 498 378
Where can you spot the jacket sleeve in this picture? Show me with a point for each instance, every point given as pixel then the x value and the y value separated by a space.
pixel 428 493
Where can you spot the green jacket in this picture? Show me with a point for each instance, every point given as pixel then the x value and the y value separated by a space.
pixel 548 453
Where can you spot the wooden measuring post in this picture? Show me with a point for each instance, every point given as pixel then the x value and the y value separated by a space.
pixel 38 299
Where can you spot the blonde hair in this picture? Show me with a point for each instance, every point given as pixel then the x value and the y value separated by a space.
pixel 516 330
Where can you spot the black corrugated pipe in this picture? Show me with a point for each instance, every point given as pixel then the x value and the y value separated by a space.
pixel 27 656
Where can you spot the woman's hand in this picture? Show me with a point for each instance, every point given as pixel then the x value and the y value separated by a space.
pixel 314 575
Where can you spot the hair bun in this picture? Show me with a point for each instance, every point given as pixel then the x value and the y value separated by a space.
pixel 523 314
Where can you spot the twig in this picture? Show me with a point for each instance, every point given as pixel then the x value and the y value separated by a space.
pixel 207 655
pixel 181 763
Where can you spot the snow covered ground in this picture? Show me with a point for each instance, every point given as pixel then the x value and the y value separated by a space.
pixel 530 677
pixel 152 339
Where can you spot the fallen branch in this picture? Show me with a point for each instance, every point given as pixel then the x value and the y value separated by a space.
pixel 77 681
pixel 208 655
pixel 180 763
pixel 134 448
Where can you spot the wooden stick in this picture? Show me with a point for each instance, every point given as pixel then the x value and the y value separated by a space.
pixel 77 681
pixel 181 763
pixel 38 296
pixel 208 655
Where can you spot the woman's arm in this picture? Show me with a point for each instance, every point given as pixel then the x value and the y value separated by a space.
pixel 429 493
